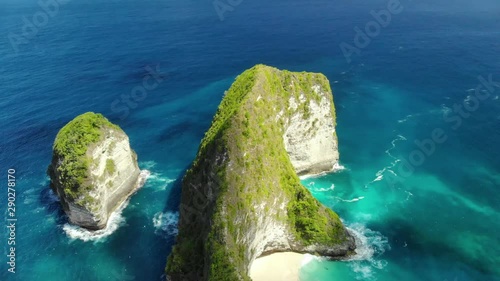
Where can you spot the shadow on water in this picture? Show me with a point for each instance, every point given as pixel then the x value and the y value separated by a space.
pixel 123 247
pixel 161 244
pixel 174 197
pixel 52 205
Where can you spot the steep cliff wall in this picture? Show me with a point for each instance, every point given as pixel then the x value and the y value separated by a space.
pixel 311 142
pixel 242 197
pixel 93 169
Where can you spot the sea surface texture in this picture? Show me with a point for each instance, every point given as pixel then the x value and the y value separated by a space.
pixel 418 115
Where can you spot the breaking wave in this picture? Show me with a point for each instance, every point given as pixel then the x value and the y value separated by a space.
pixel 166 223
pixel 309 258
pixel 337 167
pixel 148 165
pixel 156 180
pixel 115 221
pixel 370 245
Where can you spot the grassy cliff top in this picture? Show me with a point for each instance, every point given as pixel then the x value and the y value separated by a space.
pixel 259 81
pixel 244 154
pixel 71 146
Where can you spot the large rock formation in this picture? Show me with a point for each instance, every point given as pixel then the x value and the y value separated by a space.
pixel 242 197
pixel 93 169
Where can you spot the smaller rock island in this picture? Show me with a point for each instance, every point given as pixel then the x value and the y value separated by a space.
pixel 93 170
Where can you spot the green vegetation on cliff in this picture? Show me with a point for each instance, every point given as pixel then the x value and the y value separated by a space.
pixel 71 146
pixel 242 163
pixel 110 166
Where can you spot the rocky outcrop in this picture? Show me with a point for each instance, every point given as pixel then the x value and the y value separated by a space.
pixel 242 197
pixel 312 144
pixel 93 170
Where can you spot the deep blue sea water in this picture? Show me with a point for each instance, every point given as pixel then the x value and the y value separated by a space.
pixel 438 220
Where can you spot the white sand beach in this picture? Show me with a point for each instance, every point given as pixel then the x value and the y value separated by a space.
pixel 277 267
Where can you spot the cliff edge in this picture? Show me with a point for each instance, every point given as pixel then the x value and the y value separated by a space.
pixel 93 169
pixel 242 196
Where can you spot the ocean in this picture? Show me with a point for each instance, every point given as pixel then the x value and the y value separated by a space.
pixel 418 116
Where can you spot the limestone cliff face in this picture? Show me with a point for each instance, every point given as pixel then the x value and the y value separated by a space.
pixel 242 197
pixel 312 143
pixel 93 170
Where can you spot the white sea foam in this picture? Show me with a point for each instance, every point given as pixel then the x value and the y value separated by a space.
pixel 393 146
pixel 148 165
pixel 363 271
pixel 158 181
pixel 309 258
pixel 351 200
pixel 380 174
pixel 305 177
pixel 408 117
pixel 392 172
pixel 445 110
pixel 338 167
pixel 404 119
pixel 313 188
pixel 115 221
pixel 166 223
pixel 325 189
pixel 409 195
pixel 370 245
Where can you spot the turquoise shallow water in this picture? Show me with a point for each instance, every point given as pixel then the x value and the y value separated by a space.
pixel 439 222
pixel 434 221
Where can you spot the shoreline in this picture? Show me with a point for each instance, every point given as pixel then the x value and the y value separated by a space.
pixel 282 266
pixel 139 183
pixel 115 218
pixel 336 168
